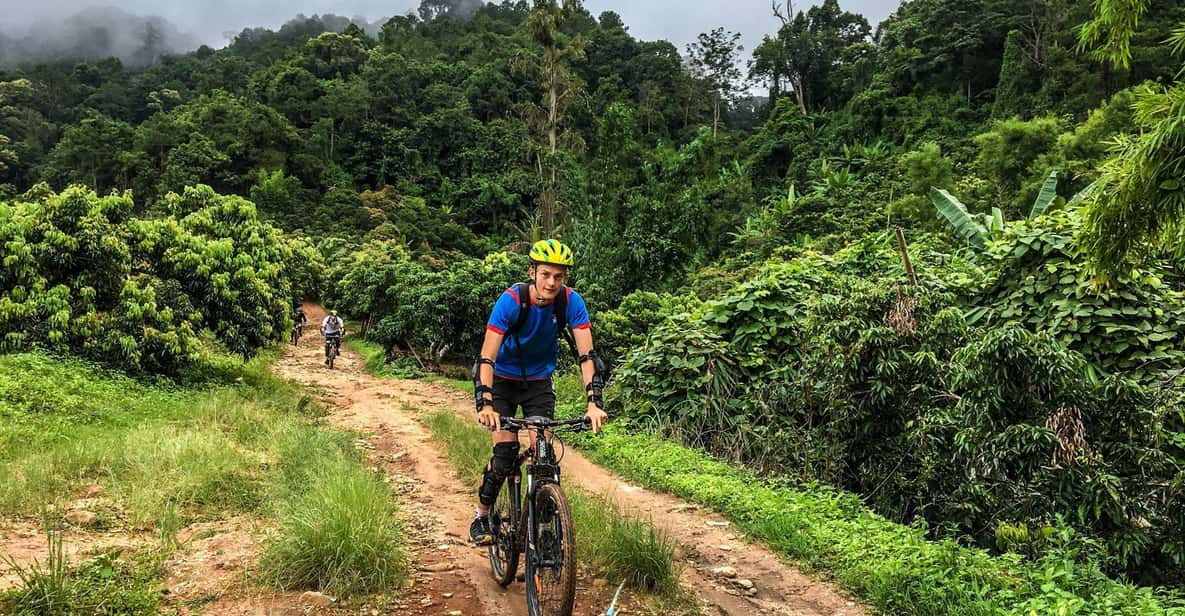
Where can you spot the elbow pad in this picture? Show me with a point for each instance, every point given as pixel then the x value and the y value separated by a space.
pixel 595 390
pixel 480 388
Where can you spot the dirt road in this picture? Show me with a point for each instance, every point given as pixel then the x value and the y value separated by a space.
pixel 455 576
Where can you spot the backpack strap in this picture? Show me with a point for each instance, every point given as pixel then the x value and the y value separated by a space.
pixel 523 291
pixel 561 320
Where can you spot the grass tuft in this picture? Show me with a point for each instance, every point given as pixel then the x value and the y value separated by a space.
pixel 627 548
pixel 105 584
pixel 342 537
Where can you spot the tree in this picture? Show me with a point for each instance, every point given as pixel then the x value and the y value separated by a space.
pixel 1015 88
pixel 816 53
pixel 30 135
pixel 90 153
pixel 431 9
pixel 81 275
pixel 1008 151
pixel 1138 208
pixel 713 57
pixel 559 85
pixel 947 46
pixel 331 55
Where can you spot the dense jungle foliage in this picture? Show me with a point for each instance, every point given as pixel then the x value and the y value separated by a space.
pixel 941 265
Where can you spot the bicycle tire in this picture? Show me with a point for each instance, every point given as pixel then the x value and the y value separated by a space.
pixel 505 551
pixel 551 589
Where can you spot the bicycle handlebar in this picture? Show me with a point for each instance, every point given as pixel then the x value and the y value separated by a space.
pixel 579 424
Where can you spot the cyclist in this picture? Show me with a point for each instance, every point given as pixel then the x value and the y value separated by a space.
pixel 332 328
pixel 299 319
pixel 518 357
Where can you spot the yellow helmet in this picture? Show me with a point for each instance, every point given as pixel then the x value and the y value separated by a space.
pixel 553 252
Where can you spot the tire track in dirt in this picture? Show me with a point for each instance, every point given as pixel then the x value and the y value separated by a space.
pixel 386 410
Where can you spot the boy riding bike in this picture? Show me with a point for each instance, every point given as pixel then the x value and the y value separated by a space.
pixel 518 358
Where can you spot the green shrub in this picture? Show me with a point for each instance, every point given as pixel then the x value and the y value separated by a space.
pixel 892 566
pixel 82 276
pixel 625 327
pixel 1130 326
pixel 1006 154
pixel 822 369
pixel 434 309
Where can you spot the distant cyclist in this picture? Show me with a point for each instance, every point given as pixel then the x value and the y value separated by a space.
pixel 299 320
pixel 332 328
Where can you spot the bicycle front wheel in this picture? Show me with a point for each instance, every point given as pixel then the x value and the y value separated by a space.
pixel 551 582
pixel 505 550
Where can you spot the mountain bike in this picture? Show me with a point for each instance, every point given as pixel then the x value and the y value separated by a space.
pixel 333 343
pixel 297 331
pixel 539 523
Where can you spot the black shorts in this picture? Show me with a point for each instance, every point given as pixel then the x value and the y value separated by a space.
pixel 536 399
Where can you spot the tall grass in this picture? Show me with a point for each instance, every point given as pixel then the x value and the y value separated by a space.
pixel 377 364
pixel 624 546
pixel 169 454
pixel 342 536
pixel 373 355
pixel 467 445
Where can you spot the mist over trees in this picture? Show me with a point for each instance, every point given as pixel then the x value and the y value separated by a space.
pixel 93 34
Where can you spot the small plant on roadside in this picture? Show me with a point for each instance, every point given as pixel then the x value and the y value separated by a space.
pixel 104 584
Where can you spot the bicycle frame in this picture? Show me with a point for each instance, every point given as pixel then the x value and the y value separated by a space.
pixel 542 468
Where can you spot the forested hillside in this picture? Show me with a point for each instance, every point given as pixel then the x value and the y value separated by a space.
pixel 941 266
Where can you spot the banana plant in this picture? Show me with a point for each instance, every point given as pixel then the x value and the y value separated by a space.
pixel 969 227
pixel 977 229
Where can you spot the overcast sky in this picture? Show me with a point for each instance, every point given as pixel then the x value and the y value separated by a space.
pixel 678 21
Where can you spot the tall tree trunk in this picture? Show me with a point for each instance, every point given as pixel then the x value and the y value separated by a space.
pixel 715 115
pixel 799 94
pixel 550 193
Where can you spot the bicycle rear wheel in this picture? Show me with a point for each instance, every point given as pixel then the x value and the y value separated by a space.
pixel 551 579
pixel 505 550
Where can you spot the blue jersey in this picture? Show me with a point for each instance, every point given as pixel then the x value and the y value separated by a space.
pixel 538 335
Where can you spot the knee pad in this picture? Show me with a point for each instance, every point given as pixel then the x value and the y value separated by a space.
pixel 500 467
pixel 503 461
